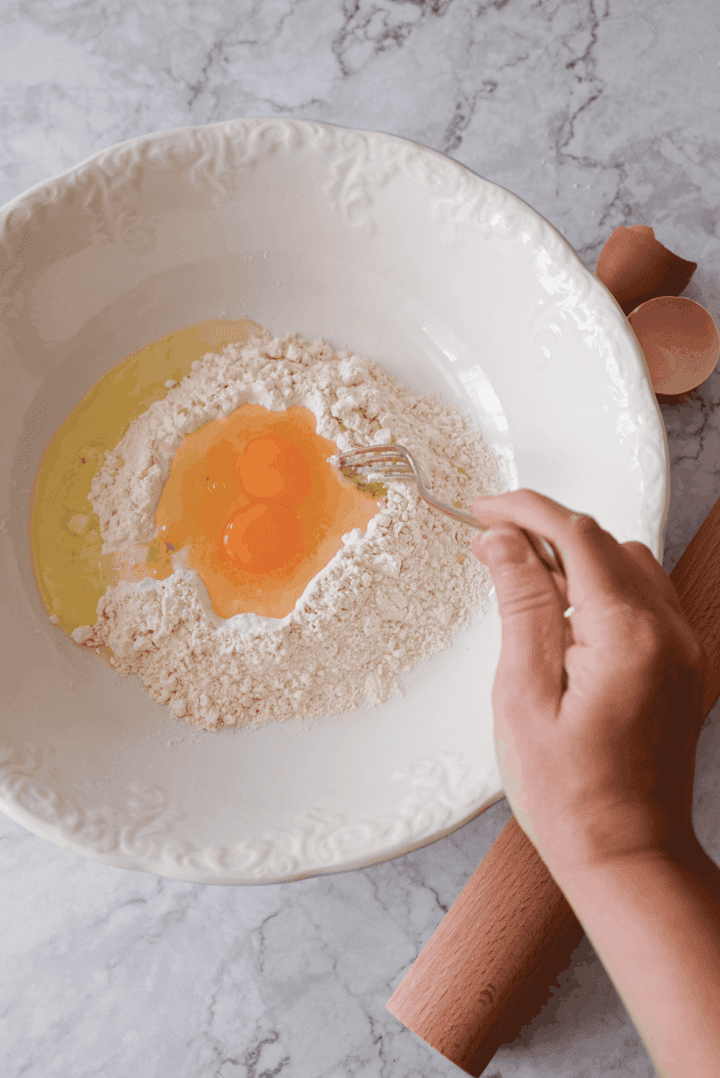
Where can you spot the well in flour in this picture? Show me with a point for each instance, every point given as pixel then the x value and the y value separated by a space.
pixel 391 597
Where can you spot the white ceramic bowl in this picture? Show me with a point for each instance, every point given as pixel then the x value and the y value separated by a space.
pixel 378 245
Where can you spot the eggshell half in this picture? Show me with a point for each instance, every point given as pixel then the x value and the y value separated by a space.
pixel 680 342
pixel 635 267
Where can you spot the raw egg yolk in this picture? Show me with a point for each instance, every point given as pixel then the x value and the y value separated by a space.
pixel 275 468
pixel 257 509
pixel 263 538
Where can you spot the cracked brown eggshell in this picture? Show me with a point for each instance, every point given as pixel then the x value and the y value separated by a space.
pixel 635 267
pixel 680 342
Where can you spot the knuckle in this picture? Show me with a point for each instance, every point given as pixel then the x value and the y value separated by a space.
pixel 584 523
pixel 695 653
pixel 639 631
pixel 635 546
pixel 649 632
pixel 524 595
pixel 653 640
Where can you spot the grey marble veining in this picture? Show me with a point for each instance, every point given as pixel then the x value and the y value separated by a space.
pixel 597 114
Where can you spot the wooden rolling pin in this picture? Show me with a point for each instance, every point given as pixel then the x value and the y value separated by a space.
pixel 487 969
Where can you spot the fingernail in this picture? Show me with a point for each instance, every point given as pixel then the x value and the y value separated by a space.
pixel 501 545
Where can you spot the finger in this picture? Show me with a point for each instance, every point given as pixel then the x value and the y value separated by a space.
pixel 533 629
pixel 601 574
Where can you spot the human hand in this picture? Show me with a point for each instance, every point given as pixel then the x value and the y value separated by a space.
pixel 597 714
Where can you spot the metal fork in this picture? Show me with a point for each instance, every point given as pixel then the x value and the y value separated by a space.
pixel 397 462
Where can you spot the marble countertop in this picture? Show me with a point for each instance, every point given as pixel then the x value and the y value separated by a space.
pixel 597 115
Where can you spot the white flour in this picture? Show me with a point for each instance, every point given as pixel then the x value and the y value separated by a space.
pixel 388 599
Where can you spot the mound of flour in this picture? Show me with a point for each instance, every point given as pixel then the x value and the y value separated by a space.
pixel 392 595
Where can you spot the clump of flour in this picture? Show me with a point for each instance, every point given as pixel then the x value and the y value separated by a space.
pixel 390 597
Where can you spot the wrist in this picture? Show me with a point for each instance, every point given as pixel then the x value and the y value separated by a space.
pixel 579 840
pixel 685 855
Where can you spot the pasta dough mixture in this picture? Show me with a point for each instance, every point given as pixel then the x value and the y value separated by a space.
pixel 392 595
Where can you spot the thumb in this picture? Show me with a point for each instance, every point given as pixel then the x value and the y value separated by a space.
pixel 532 657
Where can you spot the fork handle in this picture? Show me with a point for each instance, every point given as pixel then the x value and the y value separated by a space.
pixel 544 549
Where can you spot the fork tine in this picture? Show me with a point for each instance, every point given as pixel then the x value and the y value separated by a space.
pixel 371 454
pixel 377 451
pixel 391 461
pixel 382 466
pixel 375 462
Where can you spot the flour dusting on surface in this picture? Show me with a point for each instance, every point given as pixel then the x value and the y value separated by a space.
pixel 391 597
